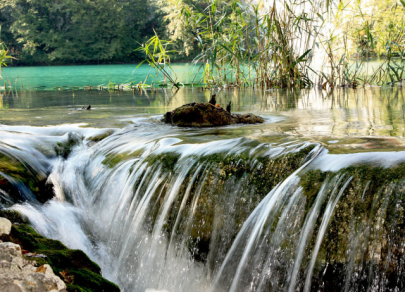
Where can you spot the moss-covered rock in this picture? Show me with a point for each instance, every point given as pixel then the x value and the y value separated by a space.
pixel 64 149
pixel 14 216
pixel 86 274
pixel 16 172
pixel 102 136
pixel 363 242
pixel 207 115
pixel 224 188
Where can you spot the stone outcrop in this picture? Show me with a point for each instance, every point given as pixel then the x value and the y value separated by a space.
pixel 74 267
pixel 19 275
pixel 5 226
pixel 207 115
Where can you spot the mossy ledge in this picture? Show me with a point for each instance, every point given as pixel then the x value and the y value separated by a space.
pixel 86 273
pixel 222 176
pixel 22 173
pixel 371 207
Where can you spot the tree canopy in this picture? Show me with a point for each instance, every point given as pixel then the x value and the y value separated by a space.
pixel 77 31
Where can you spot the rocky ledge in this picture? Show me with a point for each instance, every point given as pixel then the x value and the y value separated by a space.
pixel 32 262
pixel 207 115
pixel 18 274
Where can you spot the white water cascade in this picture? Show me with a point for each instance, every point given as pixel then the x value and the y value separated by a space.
pixel 228 215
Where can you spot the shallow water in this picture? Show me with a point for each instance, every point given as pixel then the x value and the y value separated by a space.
pixel 358 120
pixel 218 209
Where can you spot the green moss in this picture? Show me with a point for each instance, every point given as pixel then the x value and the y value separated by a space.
pixel 86 273
pixel 167 160
pixel 100 137
pixel 75 288
pixel 311 183
pixel 22 173
pixel 373 200
pixel 229 189
pixel 10 165
pixel 14 216
pixel 89 281
pixel 114 159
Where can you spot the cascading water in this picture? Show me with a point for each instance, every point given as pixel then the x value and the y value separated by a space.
pixel 159 213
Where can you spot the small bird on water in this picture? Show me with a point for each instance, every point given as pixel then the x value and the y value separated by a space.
pixel 213 101
pixel 228 107
pixel 89 107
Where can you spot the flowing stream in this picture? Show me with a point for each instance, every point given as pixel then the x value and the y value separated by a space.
pixel 167 209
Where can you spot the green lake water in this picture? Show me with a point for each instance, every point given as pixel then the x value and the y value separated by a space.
pixel 85 75
pixel 344 120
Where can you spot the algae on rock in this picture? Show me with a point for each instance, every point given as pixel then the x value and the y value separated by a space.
pixel 86 274
pixel 368 221
pixel 207 115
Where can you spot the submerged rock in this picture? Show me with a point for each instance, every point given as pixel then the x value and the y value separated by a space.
pixel 18 274
pixel 207 115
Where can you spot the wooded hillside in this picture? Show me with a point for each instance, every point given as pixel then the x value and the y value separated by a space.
pixel 77 31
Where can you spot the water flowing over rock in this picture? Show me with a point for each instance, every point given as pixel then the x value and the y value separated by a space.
pixel 228 215
pixel 20 275
pixel 207 115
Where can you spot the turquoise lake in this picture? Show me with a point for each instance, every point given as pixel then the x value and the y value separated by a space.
pixel 85 75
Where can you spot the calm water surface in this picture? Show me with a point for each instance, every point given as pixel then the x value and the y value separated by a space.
pixel 85 75
pixel 359 120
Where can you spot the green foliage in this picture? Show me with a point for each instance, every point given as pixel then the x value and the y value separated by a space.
pixel 69 31
pixel 362 30
pixel 157 55
pixel 239 43
pixel 3 55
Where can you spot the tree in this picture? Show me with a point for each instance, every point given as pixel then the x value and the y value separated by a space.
pixel 79 31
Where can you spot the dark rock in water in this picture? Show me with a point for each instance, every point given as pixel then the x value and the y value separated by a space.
pixel 247 119
pixel 200 115
pixel 213 100
pixel 228 107
pixel 167 117
pixel 206 115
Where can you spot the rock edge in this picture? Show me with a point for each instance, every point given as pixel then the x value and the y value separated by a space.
pixel 19 275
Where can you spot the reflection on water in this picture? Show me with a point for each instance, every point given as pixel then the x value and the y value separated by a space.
pixel 336 116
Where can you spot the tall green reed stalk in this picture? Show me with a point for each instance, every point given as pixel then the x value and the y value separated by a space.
pixel 272 45
pixel 157 56
pixel 357 37
pixel 240 44
pixel 4 57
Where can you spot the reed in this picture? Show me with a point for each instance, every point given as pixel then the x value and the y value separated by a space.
pixel 273 46
pixel 4 57
pixel 157 56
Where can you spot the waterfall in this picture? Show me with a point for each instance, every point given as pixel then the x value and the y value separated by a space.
pixel 159 211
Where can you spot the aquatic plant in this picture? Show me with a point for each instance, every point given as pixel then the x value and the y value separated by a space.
pixel 157 56
pixel 273 46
